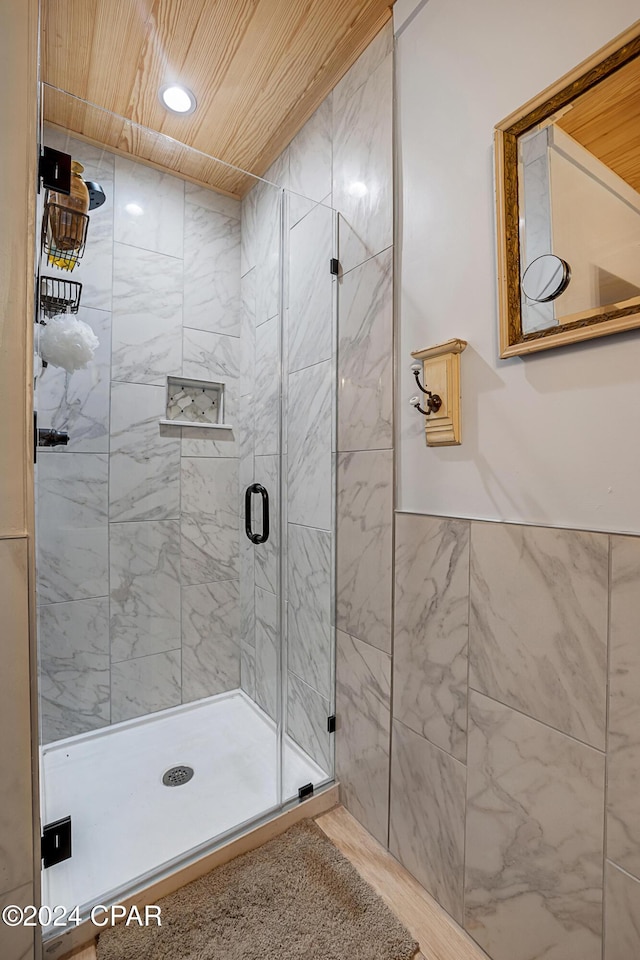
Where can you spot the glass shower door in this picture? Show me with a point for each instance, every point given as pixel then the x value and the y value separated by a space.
pixel 309 438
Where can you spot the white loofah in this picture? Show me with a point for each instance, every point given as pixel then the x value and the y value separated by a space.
pixel 68 342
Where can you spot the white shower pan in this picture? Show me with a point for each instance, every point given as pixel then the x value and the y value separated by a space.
pixel 126 823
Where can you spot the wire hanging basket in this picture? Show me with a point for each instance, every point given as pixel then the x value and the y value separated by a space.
pixel 59 296
pixel 64 235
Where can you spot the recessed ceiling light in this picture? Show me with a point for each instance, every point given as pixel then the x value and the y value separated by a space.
pixel 177 98
pixel 134 209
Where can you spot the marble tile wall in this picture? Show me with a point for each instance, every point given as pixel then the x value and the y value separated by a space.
pixel 139 560
pixel 506 641
pixel 362 179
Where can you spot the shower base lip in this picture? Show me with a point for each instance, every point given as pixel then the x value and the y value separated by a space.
pixel 179 874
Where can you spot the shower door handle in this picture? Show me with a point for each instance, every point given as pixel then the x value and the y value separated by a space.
pixel 248 513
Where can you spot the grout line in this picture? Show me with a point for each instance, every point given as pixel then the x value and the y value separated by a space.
pixel 430 742
pixel 145 656
pixel 622 870
pixel 373 256
pixel 136 246
pixel 606 746
pixel 544 723
pixel 466 744
pixel 514 523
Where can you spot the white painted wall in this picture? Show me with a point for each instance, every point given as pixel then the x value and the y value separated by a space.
pixel 553 439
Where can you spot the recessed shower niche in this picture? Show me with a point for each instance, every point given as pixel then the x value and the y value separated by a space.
pixel 197 403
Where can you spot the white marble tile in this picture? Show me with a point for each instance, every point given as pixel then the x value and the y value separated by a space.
pixel 534 839
pixel 78 403
pixel 309 446
pixel 363 167
pixel 149 208
pixel 366 64
pixel 267 652
pixel 622 914
pixel 364 546
pixel 268 217
pixel 267 388
pixel 623 769
pixel 365 356
pixel 310 315
pixel 16 821
pixel 248 670
pixel 144 466
pixel 310 634
pixel 211 271
pixel 73 642
pixel 145 588
pixel 71 509
pixel 209 527
pixel 267 555
pixel 247 332
pixel 210 639
pixel 426 817
pixel 18 942
pixel 210 356
pixel 247 590
pixel 145 685
pixel 247 549
pixel 211 200
pixel 248 230
pixel 147 315
pixel 216 357
pixel 307 714
pixel 363 708
pixel 431 629
pixel 538 624
pixel 95 270
pixel 310 162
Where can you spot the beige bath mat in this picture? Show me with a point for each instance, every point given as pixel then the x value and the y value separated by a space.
pixel 295 897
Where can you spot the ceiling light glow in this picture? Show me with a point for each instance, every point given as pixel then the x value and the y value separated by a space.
pixel 358 189
pixel 177 98
pixel 134 209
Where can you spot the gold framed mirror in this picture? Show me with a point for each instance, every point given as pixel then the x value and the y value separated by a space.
pixel 568 206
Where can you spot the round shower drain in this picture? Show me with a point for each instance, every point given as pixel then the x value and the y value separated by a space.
pixel 176 776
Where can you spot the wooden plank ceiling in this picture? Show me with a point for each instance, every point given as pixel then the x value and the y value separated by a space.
pixel 258 69
pixel 606 120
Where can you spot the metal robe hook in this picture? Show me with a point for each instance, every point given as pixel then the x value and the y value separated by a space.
pixel 434 402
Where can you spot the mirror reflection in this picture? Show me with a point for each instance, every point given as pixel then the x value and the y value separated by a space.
pixel 579 204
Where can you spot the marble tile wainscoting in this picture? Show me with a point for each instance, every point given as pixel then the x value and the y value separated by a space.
pixel 138 526
pixel 508 641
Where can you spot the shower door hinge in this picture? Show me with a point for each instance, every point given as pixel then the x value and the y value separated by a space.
pixel 54 170
pixel 55 843
pixel 334 266
pixel 331 723
pixel 305 791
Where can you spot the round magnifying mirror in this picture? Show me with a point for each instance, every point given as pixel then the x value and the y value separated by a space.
pixel 546 278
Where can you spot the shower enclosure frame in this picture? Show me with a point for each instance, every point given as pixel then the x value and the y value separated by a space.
pixel 188 858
